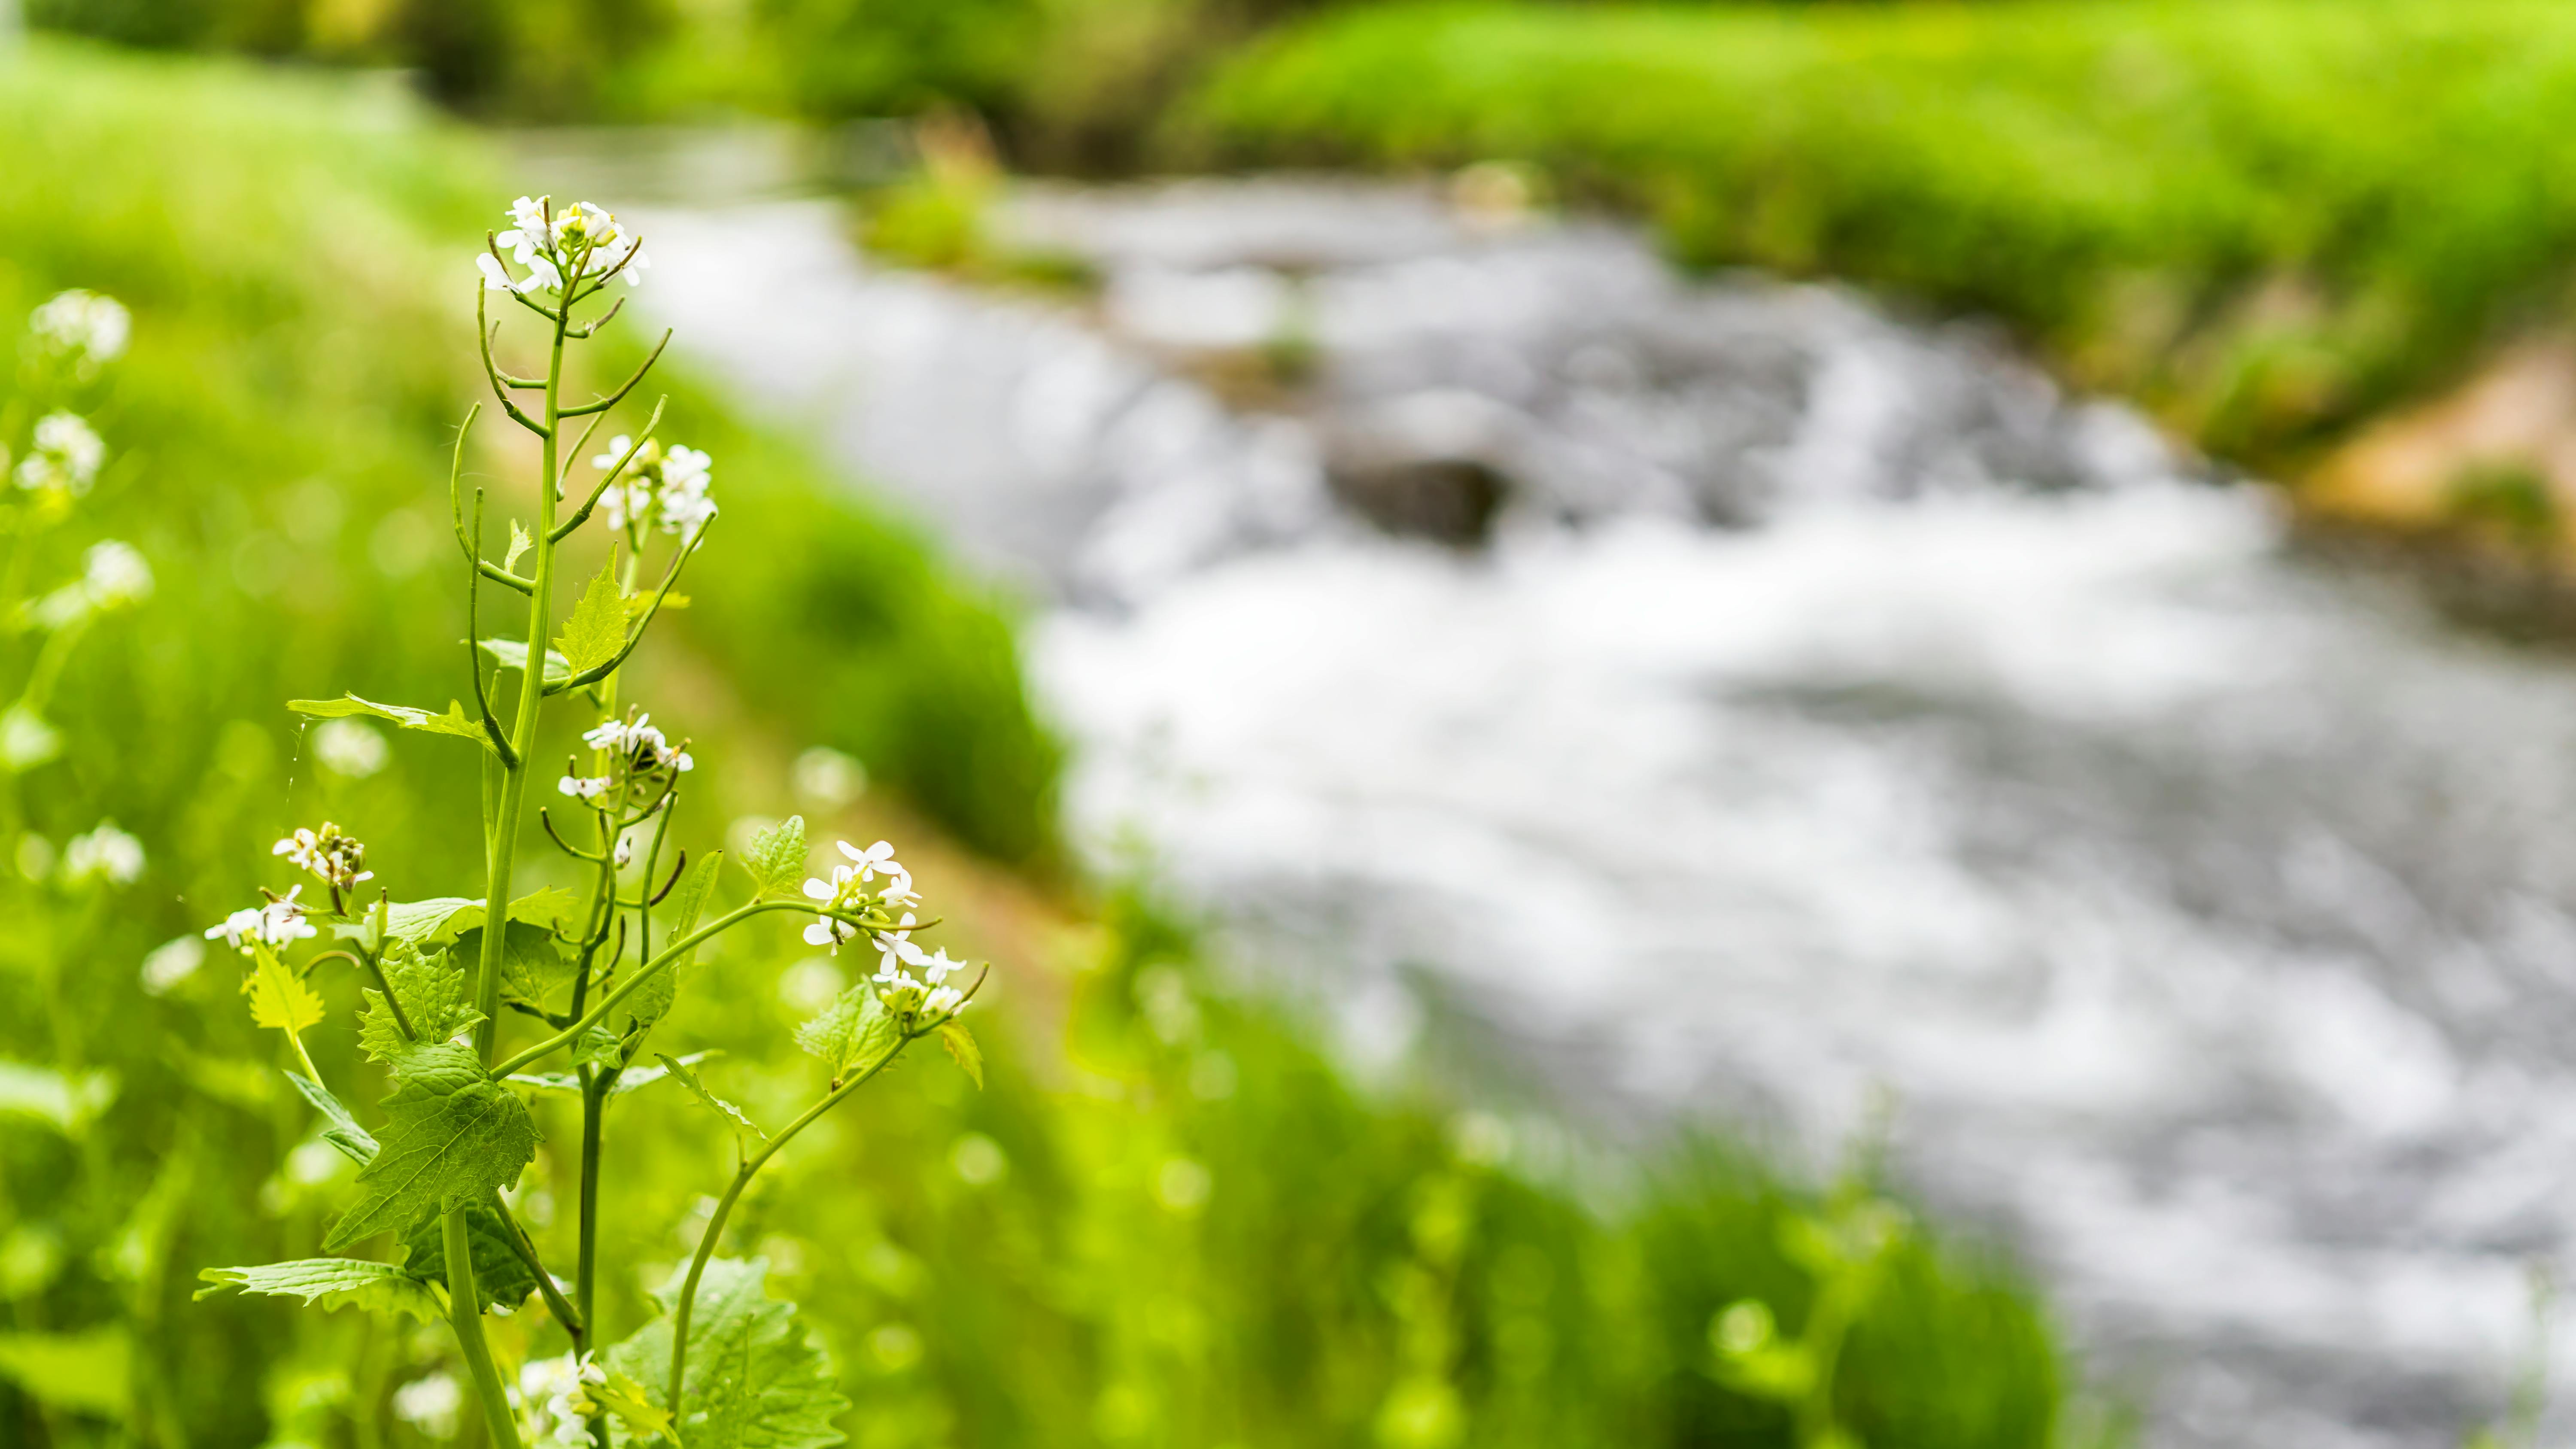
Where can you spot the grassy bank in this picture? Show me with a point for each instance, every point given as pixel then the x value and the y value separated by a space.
pixel 2267 218
pixel 1169 1222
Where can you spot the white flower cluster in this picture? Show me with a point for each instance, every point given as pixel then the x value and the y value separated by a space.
pixel 849 891
pixel 113 576
pixel 82 327
pixel 674 483
pixel 636 748
pixel 331 853
pixel 277 924
pixel 554 1400
pixel 581 241
pixel 106 853
pixel 64 457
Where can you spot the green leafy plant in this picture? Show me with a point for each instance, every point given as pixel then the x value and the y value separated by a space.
pixel 595 969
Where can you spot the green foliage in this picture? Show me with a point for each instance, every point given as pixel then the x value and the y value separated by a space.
pixel 331 1283
pixel 499 1274
pixel 452 1135
pixel 776 859
pixel 2268 218
pixel 354 1142
pixel 453 722
pixel 856 1029
pixel 754 1381
pixel 681 1073
pixel 596 629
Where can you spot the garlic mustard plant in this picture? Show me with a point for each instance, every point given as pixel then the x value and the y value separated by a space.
pixel 586 974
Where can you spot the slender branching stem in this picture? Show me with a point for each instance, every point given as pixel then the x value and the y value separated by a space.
pixel 646 972
pixel 724 1208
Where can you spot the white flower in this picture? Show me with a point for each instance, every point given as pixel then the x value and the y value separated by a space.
pixel 895 951
pixel 626 849
pixel 105 853
pixel 829 931
pixel 333 854
pixel 554 1400
pixel 116 574
pixel 496 278
pixel 617 448
pixel 430 1404
pixel 943 1001
pixel 82 325
pixel 275 924
pixel 584 788
pixel 936 966
pixel 349 747
pixel 877 859
pixel 66 455
pixel 686 513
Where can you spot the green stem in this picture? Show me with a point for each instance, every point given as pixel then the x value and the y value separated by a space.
pixel 575 1324
pixel 465 1308
pixel 465 1315
pixel 523 735
pixel 724 1208
pixel 644 973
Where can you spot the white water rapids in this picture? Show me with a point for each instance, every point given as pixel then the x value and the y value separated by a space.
pixel 1830 707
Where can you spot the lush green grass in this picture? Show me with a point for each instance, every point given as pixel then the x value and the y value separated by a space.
pixel 1179 1227
pixel 2267 217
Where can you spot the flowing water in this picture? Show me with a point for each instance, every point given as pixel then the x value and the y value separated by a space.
pixel 1744 703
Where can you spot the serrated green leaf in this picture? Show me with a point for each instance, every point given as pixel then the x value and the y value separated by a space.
pixel 698 1089
pixel 513 654
pixel 634 1406
pixel 597 628
pixel 855 1028
pixel 434 991
pixel 520 543
pixel 454 722
pixel 500 1275
pixel 754 1381
pixel 89 1372
pixel 962 1049
pixel 65 1100
pixel 441 919
pixel 355 1142
pixel 331 1283
pixel 534 961
pixel 278 996
pixel 776 859
pixel 451 1135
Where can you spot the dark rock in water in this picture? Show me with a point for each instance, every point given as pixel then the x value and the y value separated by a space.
pixel 1448 500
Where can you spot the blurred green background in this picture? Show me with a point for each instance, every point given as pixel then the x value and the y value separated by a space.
pixel 1170 1221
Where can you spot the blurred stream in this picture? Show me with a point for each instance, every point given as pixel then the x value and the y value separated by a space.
pixel 1747 700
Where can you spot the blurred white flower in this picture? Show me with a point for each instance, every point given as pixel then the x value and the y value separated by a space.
pixel 581 787
pixel 430 1404
pixel 106 853
pixel 64 458
pixel 82 326
pixel 116 573
pixel 349 747
pixel 172 962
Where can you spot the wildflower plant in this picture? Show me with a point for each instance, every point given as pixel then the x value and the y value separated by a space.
pixel 591 972
pixel 52 457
